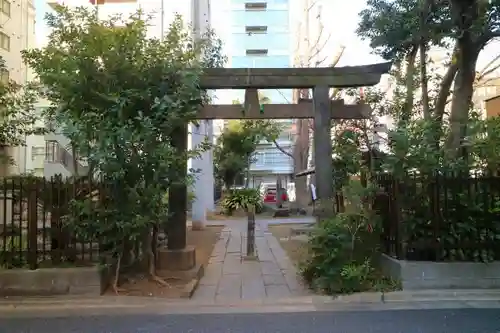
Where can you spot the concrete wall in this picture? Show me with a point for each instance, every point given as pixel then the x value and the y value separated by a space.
pixel 416 275
pixel 50 281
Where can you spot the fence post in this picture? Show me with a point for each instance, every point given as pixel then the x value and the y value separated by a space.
pixel 397 218
pixel 32 225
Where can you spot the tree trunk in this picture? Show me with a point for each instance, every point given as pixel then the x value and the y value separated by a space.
pixel 423 59
pixel 74 160
pixel 462 97
pixel 409 84
pixel 465 15
pixel 247 180
pixel 300 156
pixel 444 88
pixel 423 79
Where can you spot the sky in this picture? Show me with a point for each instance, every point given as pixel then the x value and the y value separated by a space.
pixel 342 20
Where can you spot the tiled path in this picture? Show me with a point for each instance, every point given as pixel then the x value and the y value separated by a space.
pixel 229 278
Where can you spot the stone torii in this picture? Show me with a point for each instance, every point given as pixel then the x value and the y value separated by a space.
pixel 321 108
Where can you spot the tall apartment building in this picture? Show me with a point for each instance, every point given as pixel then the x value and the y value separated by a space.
pixel 17 32
pixel 261 37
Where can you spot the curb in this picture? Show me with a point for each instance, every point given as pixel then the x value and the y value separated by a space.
pixel 418 296
pixel 190 288
pixel 367 300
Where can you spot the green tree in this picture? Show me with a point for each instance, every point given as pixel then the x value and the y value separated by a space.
pixel 125 100
pixel 238 142
pixel 398 29
pixel 18 116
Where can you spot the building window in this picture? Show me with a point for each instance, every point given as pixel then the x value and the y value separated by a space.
pixel 37 152
pixel 260 52
pixel 5 7
pixel 4 76
pixel 256 29
pixel 51 151
pixel 259 158
pixel 4 41
pixel 273 19
pixel 255 6
pixel 269 40
pixel 260 61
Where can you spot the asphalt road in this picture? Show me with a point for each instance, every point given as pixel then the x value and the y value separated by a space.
pixel 388 321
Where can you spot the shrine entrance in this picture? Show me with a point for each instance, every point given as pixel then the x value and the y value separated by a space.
pixel 320 108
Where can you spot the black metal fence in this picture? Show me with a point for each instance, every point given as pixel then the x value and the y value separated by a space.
pixel 440 217
pixel 32 232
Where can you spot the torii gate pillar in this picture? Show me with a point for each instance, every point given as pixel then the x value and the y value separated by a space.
pixel 325 189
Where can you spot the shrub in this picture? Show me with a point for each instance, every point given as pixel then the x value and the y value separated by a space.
pixel 341 252
pixel 242 198
pixel 16 247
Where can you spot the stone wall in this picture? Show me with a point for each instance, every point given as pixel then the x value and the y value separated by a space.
pixel 416 275
pixel 51 281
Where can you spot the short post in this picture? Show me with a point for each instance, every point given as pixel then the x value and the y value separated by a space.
pixel 33 226
pixel 251 232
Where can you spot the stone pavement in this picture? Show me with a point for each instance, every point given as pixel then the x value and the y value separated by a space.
pixel 230 278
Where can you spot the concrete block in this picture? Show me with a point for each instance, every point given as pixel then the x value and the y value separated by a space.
pixel 50 281
pixel 415 275
pixel 182 260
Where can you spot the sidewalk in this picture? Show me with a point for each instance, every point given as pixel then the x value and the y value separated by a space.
pixel 230 278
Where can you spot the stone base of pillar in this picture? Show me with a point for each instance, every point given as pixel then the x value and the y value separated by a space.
pixel 176 260
pixel 197 225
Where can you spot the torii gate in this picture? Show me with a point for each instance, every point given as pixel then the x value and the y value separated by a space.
pixel 321 108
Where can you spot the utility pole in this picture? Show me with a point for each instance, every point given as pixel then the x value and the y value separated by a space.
pixel 162 23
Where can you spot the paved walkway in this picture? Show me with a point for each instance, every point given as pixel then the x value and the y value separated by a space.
pixel 230 278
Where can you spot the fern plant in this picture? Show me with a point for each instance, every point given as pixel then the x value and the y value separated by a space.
pixel 242 199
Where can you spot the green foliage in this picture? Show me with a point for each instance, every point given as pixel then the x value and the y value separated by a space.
pixel 237 144
pixel 393 27
pixel 16 247
pixel 242 199
pixel 341 251
pixel 465 208
pixel 18 116
pixel 122 97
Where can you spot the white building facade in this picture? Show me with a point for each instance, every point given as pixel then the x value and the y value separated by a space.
pixel 17 33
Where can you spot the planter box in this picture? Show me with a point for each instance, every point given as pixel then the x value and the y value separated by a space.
pixel 51 281
pixel 416 275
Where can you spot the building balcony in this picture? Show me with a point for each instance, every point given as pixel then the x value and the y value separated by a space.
pixel 274 41
pixel 279 18
pixel 271 169
pixel 58 160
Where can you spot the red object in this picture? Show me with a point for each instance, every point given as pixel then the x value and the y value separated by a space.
pixel 284 197
pixel 270 198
